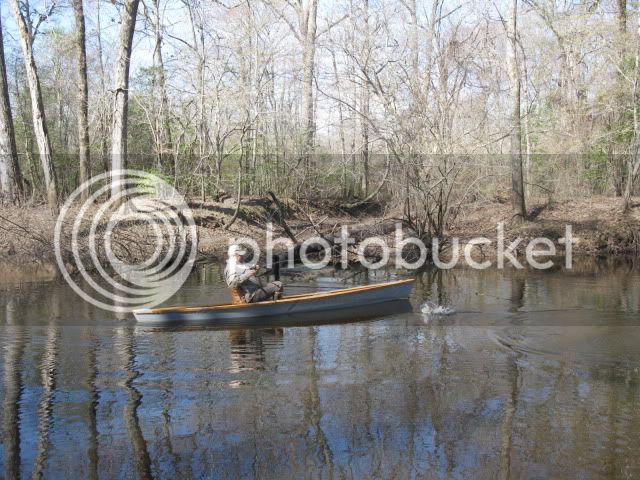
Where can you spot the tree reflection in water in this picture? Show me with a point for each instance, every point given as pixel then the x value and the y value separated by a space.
pixel 13 353
pixel 94 398
pixel 455 398
pixel 247 349
pixel 47 375
pixel 128 354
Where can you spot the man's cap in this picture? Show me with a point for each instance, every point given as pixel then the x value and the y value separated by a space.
pixel 237 249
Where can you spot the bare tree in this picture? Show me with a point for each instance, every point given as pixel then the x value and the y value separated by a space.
pixel 160 122
pixel 121 95
pixel 198 47
pixel 83 98
pixel 634 158
pixel 308 19
pixel 37 106
pixel 306 34
pixel 517 180
pixel 621 99
pixel 400 79
pixel 10 176
pixel 365 103
pixel 104 107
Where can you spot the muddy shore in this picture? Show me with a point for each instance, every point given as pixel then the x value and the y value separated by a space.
pixel 597 224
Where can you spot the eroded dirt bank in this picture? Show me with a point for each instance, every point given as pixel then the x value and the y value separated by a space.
pixel 26 234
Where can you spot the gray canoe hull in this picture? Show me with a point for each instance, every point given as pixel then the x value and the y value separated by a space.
pixel 348 299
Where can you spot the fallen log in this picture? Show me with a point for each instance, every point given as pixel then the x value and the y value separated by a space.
pixel 281 221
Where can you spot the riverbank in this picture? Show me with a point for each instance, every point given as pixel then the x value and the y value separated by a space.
pixel 597 223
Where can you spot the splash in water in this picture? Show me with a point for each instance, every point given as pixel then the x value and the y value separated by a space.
pixel 430 308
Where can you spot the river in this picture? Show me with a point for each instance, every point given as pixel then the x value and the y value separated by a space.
pixel 537 375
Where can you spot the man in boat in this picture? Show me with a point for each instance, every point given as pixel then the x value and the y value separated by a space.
pixel 242 278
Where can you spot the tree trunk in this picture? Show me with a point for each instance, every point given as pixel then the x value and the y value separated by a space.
pixel 343 149
pixel 633 162
pixel 308 32
pixel 517 180
pixel 415 50
pixel 365 108
pixel 622 23
pixel 121 95
pixel 37 107
pixel 163 127
pixel 621 99
pixel 198 47
pixel 633 170
pixel 364 121
pixel 22 115
pixel 104 121
pixel 83 98
pixel 10 176
pixel 232 220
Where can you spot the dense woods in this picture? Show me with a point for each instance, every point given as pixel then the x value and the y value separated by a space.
pixel 421 104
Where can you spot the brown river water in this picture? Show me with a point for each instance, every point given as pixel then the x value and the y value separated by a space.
pixel 537 375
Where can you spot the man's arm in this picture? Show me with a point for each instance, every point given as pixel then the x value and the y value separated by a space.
pixel 237 275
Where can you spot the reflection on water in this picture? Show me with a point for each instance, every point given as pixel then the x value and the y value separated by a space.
pixel 537 375
pixel 11 405
pixel 247 348
pixel 47 379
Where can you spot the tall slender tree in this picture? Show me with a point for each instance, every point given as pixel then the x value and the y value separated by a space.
pixel 104 107
pixel 517 179
pixel 306 32
pixel 10 176
pixel 198 46
pixel 161 101
pixel 633 162
pixel 621 100
pixel 121 91
pixel 308 14
pixel 365 100
pixel 83 98
pixel 37 106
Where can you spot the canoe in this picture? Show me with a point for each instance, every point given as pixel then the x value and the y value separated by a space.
pixel 329 317
pixel 306 303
